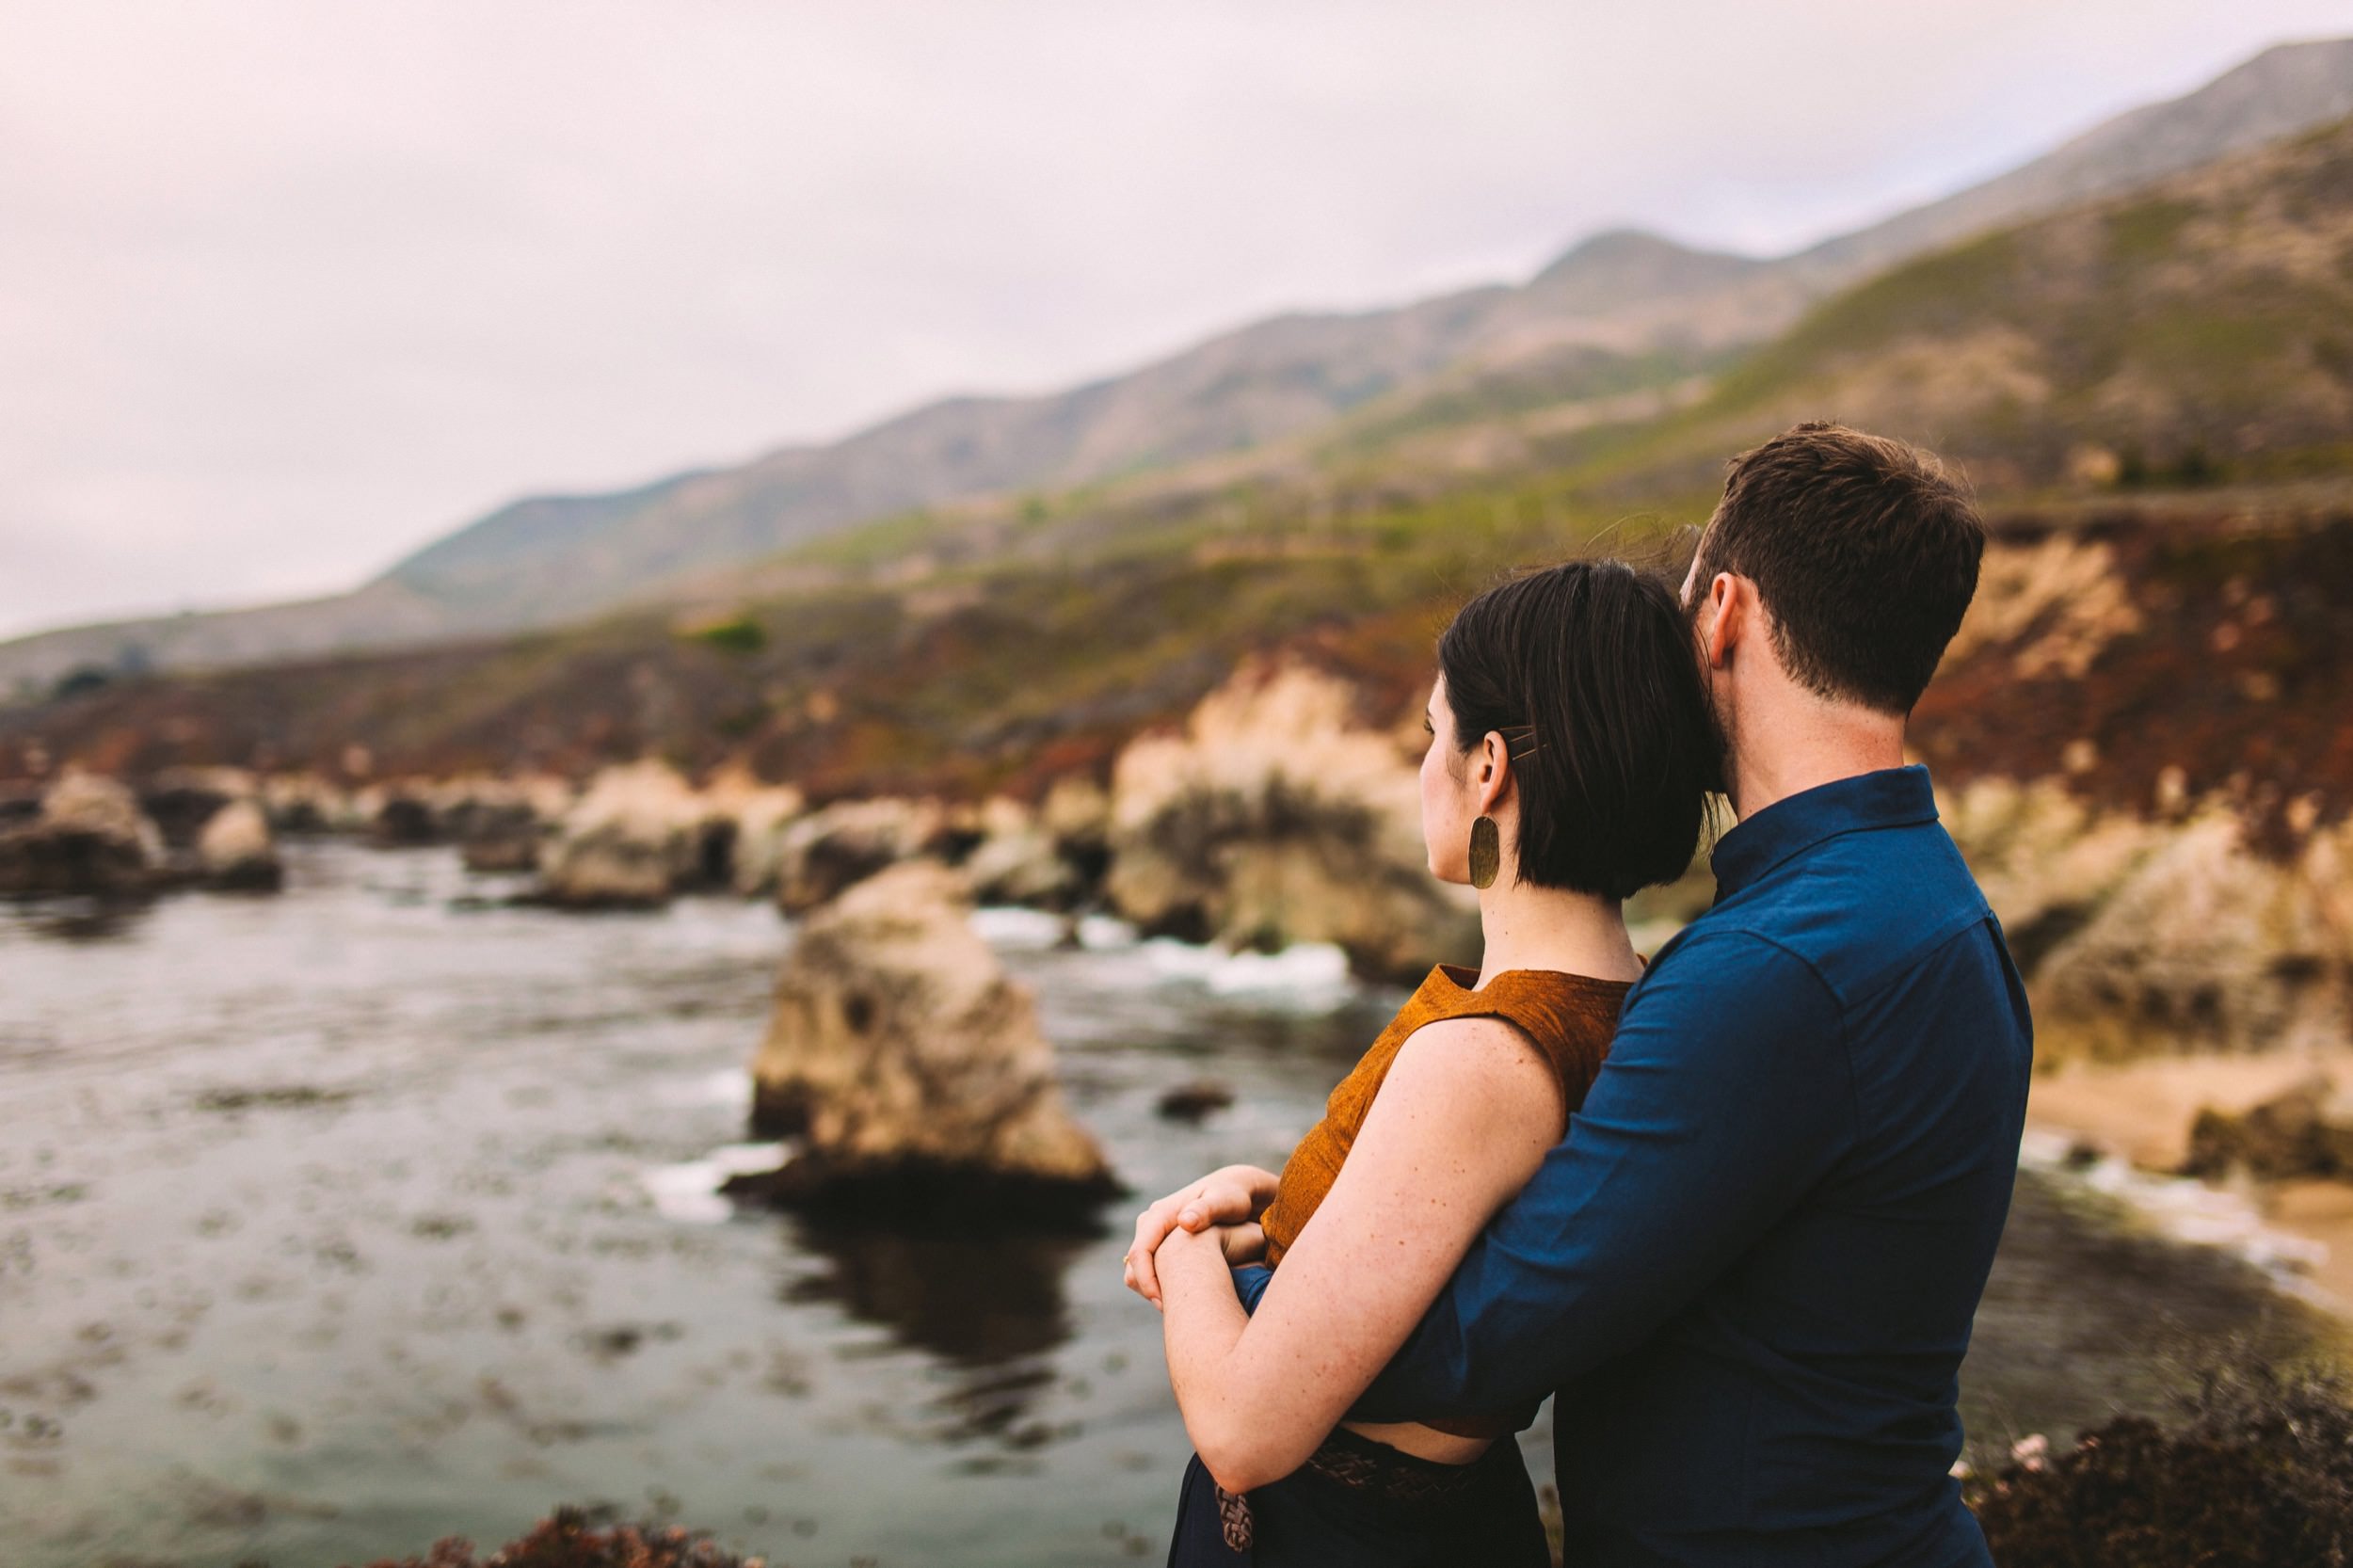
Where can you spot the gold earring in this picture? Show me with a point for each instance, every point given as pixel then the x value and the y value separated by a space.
pixel 1486 852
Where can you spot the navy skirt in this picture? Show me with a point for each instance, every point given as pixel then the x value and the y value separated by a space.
pixel 1308 1519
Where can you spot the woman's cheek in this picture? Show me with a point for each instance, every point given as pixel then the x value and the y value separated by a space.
pixel 1432 817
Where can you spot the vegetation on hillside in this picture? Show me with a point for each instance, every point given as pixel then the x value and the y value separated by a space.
pixel 2157 379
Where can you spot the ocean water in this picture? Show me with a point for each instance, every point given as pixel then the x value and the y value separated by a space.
pixel 378 1210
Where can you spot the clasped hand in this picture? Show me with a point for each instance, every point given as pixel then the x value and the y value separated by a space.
pixel 1225 1203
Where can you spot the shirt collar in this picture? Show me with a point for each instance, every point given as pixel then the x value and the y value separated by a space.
pixel 1890 797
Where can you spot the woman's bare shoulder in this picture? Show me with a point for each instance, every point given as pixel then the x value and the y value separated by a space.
pixel 1479 1043
pixel 1485 1070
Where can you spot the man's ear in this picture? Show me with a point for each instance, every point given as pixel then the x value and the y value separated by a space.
pixel 1730 601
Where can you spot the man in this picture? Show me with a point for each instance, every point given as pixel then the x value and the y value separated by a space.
pixel 1751 1267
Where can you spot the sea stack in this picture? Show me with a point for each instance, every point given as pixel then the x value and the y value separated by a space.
pixel 912 1066
pixel 88 836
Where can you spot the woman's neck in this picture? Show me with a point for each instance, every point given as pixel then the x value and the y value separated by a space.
pixel 1527 927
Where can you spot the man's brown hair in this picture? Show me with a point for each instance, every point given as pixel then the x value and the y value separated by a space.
pixel 1864 552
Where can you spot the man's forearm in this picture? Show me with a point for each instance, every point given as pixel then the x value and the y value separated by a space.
pixel 1703 1126
pixel 1428 1377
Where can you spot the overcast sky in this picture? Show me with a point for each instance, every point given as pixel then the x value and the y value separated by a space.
pixel 290 287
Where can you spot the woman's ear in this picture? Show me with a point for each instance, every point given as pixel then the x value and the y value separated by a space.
pixel 1494 771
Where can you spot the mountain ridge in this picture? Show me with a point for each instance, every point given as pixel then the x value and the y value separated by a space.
pixel 2148 392
pixel 1595 312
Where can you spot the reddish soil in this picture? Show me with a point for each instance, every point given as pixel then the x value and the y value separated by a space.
pixel 2241 677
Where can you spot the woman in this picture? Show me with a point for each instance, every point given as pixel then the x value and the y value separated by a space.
pixel 1570 752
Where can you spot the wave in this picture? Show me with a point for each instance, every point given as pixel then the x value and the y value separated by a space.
pixel 689 1191
pixel 2186 1209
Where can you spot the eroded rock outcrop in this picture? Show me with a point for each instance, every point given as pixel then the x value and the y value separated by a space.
pixel 182 800
pixel 235 849
pixel 497 823
pixel 638 836
pixel 305 803
pixel 819 854
pixel 760 814
pixel 1280 816
pixel 914 1069
pixel 88 836
pixel 1049 857
pixel 2138 935
pixel 2307 1131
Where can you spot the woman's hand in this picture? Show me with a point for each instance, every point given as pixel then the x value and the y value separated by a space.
pixel 1229 1195
pixel 1466 1115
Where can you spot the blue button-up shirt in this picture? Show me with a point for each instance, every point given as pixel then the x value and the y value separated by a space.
pixel 1750 1266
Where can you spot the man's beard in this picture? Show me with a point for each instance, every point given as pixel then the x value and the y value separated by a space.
pixel 1719 737
pixel 1718 775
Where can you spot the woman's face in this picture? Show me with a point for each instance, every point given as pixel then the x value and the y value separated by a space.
pixel 1446 806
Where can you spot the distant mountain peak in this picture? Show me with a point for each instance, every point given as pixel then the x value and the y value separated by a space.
pixel 1620 269
pixel 1629 247
pixel 1627 291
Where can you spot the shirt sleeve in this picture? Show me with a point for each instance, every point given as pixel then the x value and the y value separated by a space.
pixel 1725 1096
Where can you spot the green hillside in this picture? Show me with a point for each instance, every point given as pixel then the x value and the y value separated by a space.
pixel 2177 360
pixel 2196 333
pixel 1502 377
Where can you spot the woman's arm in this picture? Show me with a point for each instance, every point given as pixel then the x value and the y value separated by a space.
pixel 1462 1121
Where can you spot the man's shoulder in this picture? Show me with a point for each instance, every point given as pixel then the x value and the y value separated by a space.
pixel 1859 909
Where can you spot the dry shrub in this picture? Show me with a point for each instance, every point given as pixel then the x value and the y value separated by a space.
pixel 2258 1474
pixel 577 1538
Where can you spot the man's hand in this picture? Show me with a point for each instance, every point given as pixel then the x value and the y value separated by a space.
pixel 1242 1243
pixel 1230 1195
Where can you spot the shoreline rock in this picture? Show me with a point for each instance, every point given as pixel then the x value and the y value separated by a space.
pixel 1277 817
pixel 836 846
pixel 182 800
pixel 912 1066
pixel 630 843
pixel 2305 1132
pixel 1194 1101
pixel 87 835
pixel 235 851
pixel 2141 936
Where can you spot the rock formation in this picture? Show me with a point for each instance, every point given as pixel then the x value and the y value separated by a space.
pixel 1053 857
pixel 2307 1131
pixel 760 815
pixel 913 1067
pixel 235 851
pixel 1278 816
pixel 88 836
pixel 2142 936
pixel 824 852
pixel 305 803
pixel 1193 1101
pixel 180 801
pixel 635 837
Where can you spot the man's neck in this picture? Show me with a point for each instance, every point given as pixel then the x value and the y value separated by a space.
pixel 1807 745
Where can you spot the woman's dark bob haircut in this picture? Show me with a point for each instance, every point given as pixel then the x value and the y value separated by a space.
pixel 1589 670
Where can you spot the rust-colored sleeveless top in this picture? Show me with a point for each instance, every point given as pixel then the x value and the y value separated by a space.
pixel 1570 1017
